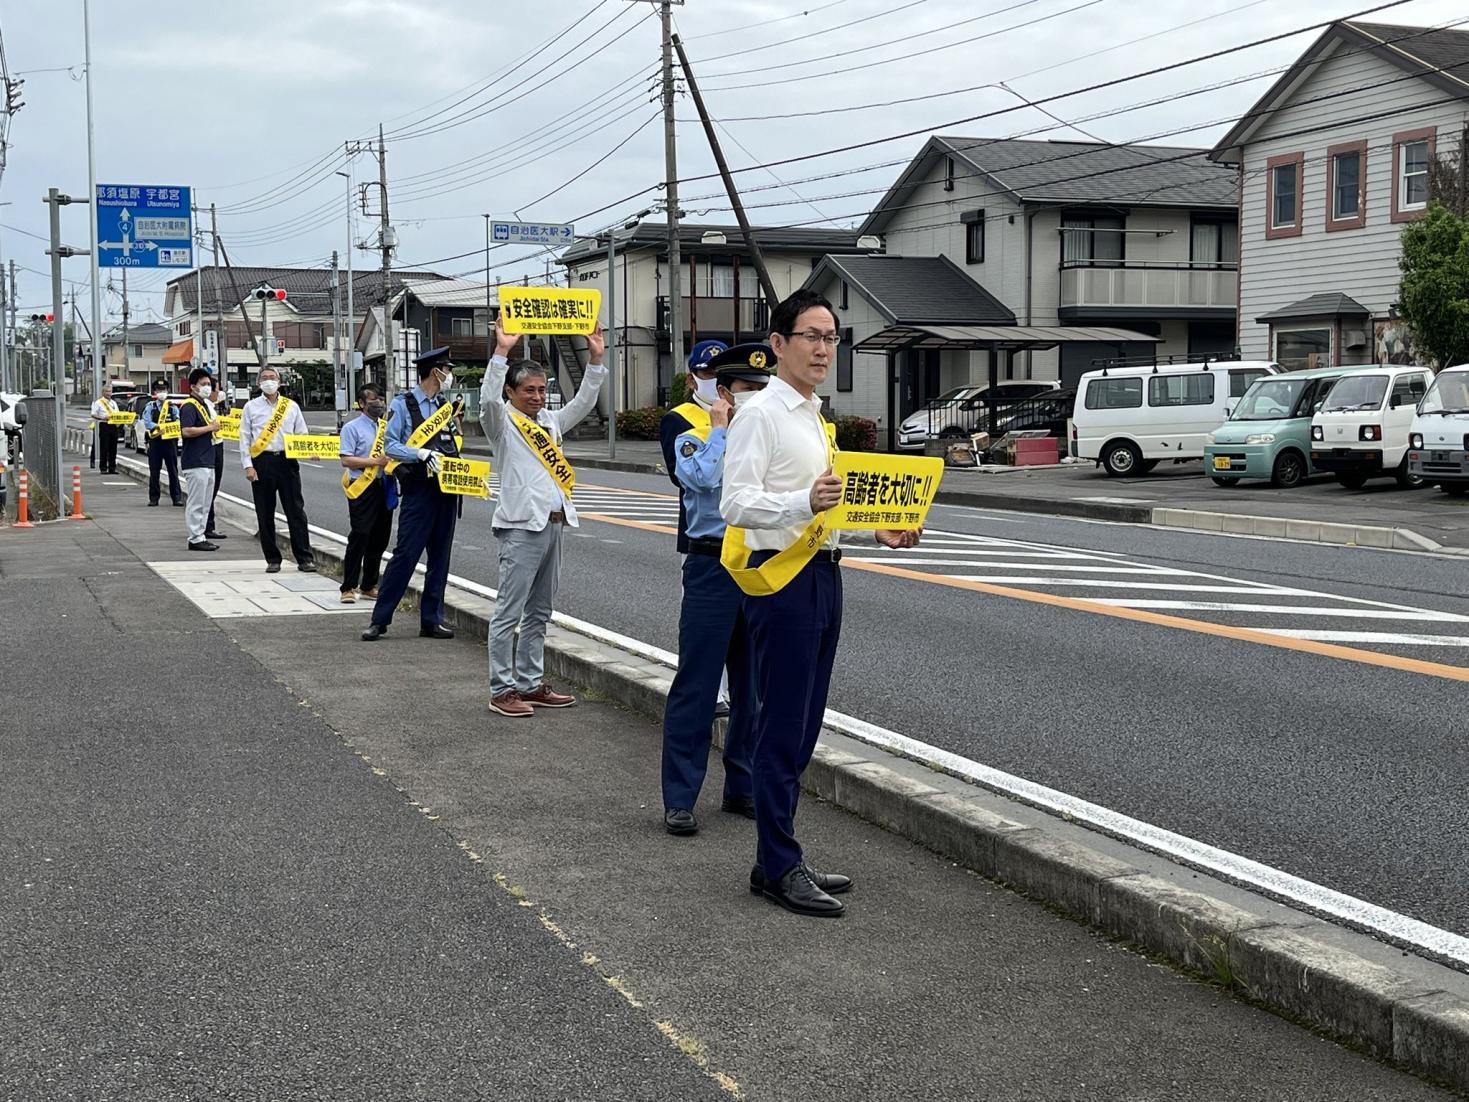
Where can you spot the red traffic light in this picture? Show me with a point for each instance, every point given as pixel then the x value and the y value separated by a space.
pixel 277 293
pixel 280 294
pixel 50 318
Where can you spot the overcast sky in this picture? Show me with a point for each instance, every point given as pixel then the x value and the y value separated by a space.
pixel 489 107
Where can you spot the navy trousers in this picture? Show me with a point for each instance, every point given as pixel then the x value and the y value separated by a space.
pixel 426 521
pixel 712 635
pixel 163 453
pixel 793 635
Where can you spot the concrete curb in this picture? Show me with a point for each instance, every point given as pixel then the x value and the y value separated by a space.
pixel 1395 1006
pixel 1018 503
pixel 1311 531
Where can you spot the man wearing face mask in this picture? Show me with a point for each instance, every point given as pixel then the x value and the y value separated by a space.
pixel 197 426
pixel 712 634
pixel 691 414
pixel 161 453
pixel 422 426
pixel 371 494
pixel 265 422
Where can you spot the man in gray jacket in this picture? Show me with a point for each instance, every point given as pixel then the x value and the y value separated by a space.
pixel 535 502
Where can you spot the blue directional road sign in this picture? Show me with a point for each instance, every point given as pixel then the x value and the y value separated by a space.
pixel 140 226
pixel 528 233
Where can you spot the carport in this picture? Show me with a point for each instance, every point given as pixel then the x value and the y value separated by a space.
pixel 997 340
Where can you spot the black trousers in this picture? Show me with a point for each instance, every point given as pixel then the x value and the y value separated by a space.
pixel 163 453
pixel 107 437
pixel 279 478
pixel 372 527
pixel 218 478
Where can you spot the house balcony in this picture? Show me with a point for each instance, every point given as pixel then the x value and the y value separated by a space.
pixel 461 347
pixel 715 317
pixel 1200 292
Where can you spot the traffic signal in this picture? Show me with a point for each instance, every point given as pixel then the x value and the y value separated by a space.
pixel 277 293
pixel 47 318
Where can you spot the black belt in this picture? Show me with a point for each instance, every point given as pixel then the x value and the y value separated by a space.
pixel 705 545
pixel 832 554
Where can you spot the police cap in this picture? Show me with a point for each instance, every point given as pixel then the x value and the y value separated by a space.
pixel 751 361
pixel 703 352
pixel 433 358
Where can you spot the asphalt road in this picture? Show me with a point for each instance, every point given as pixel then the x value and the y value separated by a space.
pixel 1342 772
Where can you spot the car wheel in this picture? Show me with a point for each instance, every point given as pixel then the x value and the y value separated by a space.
pixel 1121 459
pixel 1226 482
pixel 1407 479
pixel 1352 481
pixel 1454 489
pixel 1289 470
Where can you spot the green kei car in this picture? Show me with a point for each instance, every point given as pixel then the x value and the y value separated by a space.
pixel 1268 434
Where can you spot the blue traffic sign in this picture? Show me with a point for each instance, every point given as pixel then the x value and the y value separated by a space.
pixel 139 226
pixel 529 233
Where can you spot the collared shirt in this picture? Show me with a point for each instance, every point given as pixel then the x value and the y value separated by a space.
pixel 528 494
pixel 103 408
pixel 777 448
pixel 400 423
pixel 358 436
pixel 254 417
pixel 150 414
pixel 699 466
pixel 198 451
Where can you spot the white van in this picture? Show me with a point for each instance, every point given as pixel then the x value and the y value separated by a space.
pixel 1438 439
pixel 1129 418
pixel 1361 429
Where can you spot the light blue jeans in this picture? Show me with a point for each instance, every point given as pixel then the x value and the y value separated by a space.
pixel 530 572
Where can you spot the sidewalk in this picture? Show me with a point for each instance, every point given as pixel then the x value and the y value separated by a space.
pixel 340 877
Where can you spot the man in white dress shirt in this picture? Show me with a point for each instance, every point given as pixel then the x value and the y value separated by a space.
pixel 104 442
pixel 264 424
pixel 536 485
pixel 778 485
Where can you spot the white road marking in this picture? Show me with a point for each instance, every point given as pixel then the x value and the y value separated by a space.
pixel 1288 610
pixel 1385 638
pixel 1156 570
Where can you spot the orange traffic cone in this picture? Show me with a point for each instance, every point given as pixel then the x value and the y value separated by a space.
pixel 76 495
pixel 23 519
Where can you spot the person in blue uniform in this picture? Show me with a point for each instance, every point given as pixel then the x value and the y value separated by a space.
pixel 161 453
pixel 712 634
pixel 694 412
pixel 427 515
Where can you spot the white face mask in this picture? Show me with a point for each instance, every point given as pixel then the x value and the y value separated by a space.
pixel 742 396
pixel 205 390
pixel 707 389
pixel 269 386
pixel 447 380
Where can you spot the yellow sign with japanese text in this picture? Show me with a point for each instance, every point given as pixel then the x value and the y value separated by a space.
pixel 121 418
pixel 884 491
pixel 468 477
pixel 300 446
pixel 172 429
pixel 229 426
pixel 538 310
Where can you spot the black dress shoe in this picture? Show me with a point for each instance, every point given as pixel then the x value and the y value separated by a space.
pixel 272 568
pixel 215 536
pixel 178 504
pixel 436 631
pixel 798 893
pixel 374 632
pixel 203 545
pixel 153 504
pixel 739 805
pixel 832 883
pixel 680 820
pixel 307 567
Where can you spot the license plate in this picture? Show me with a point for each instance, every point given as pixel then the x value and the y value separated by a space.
pixel 1440 457
pixel 1221 462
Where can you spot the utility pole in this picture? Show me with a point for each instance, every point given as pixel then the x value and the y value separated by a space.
pixel 489 325
pixel 341 388
pixel 91 215
pixel 670 161
pixel 386 243
pixel 5 385
pixel 14 333
pixel 126 364
pixel 221 344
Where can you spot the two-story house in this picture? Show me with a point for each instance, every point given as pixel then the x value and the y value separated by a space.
pixel 136 354
pixel 1333 160
pixel 721 297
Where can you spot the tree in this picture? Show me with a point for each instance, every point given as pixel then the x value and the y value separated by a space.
pixel 1434 295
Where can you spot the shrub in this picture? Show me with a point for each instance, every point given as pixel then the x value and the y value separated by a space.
pixel 856 434
pixel 680 391
pixel 640 424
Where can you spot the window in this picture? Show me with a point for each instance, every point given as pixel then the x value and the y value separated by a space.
pixel 948 173
pixel 1297 349
pixel 184 328
pixel 843 305
pixel 1283 178
pixel 1213 243
pixel 1241 381
pixel 1194 389
pixel 973 236
pixel 461 327
pixel 1409 390
pixel 1412 150
pixel 1092 241
pixel 721 281
pixel 137 351
pixel 1114 394
pixel 1346 186
pixel 844 360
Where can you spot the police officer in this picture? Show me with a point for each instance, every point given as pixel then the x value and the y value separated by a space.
pixel 372 494
pixel 161 453
pixel 418 433
pixel 712 634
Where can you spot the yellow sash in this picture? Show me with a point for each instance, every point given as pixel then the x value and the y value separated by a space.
pixel 429 429
pixel 203 412
pixel 776 572
pixel 539 441
pixel 367 475
pixel 163 412
pixel 273 426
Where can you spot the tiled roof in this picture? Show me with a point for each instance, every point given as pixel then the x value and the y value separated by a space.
pixel 1330 304
pixel 917 290
pixel 1436 48
pixel 309 289
pixel 148 332
pixel 691 234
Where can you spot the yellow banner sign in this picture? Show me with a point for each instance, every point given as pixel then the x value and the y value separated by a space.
pixel 121 418
pixel 171 430
pixel 229 426
pixel 469 477
pixel 884 491
pixel 313 447
pixel 550 309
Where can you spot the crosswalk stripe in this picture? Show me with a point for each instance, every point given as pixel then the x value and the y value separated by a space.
pixel 1110 583
pixel 1381 637
pixel 911 562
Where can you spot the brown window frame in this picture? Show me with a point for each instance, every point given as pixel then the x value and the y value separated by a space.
pixel 1273 232
pixel 1358 220
pixel 1400 139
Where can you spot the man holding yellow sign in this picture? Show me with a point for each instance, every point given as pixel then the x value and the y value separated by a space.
pixel 550 310
pixel 265 422
pixel 781 549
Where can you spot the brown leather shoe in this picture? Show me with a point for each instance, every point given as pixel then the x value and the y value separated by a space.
pixel 547 697
pixel 510 704
pixel 370 594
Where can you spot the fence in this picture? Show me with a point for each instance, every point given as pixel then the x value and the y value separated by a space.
pixel 996 416
pixel 41 454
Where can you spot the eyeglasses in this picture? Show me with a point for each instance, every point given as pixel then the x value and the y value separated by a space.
pixel 812 337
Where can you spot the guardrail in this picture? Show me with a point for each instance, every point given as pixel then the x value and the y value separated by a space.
pixel 995 416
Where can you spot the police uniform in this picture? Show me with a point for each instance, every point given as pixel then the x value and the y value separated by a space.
pixel 427 515
pixel 161 453
pixel 712 633
pixel 682 418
